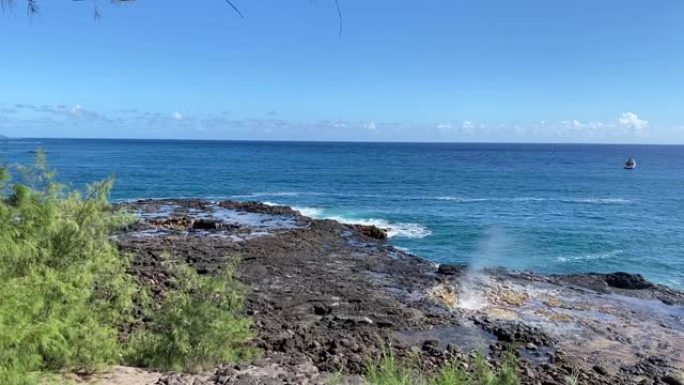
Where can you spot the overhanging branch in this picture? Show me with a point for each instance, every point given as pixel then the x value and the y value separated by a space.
pixel 32 8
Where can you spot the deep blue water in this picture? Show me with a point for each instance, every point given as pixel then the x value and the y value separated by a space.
pixel 543 207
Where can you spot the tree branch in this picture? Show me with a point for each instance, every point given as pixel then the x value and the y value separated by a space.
pixel 236 9
pixel 32 8
pixel 339 15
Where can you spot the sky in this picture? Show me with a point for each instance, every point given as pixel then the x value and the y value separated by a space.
pixel 440 70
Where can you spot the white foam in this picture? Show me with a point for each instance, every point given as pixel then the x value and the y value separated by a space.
pixel 674 282
pixel 311 212
pixel 399 230
pixel 472 300
pixel 599 200
pixel 275 194
pixel 459 199
pixel 589 257
pixel 471 290
pixel 462 199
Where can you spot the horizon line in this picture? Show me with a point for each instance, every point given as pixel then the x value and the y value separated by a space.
pixel 340 141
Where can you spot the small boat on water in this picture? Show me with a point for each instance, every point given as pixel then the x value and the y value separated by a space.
pixel 630 164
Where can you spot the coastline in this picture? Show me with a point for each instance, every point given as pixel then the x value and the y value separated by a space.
pixel 326 296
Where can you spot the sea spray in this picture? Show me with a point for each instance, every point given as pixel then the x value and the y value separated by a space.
pixel 311 212
pixel 491 250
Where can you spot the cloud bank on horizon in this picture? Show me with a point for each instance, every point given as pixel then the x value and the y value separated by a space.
pixel 25 120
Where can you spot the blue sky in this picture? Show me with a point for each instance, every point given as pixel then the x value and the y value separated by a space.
pixel 443 70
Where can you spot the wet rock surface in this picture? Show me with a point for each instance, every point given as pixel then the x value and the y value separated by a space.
pixel 326 296
pixel 372 231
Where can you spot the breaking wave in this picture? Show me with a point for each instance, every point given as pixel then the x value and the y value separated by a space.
pixel 394 229
pixel 398 229
pixel 463 200
pixel 589 257
pixel 312 212
pixel 455 199
pixel 275 194
pixel 404 249
pixel 605 201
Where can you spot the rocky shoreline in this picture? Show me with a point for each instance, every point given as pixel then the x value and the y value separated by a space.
pixel 326 296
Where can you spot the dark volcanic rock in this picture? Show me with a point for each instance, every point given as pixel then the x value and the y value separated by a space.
pixel 446 269
pixel 372 231
pixel 627 281
pixel 258 207
pixel 206 224
pixel 516 332
pixel 179 223
pixel 325 297
pixel 672 380
pixel 600 370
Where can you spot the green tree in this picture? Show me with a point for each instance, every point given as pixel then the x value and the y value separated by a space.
pixel 65 292
pixel 63 285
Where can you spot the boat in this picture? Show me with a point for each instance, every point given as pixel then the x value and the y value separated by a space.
pixel 630 164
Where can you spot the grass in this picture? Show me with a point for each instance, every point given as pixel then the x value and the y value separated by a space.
pixel 388 371
pixel 65 292
pixel 573 378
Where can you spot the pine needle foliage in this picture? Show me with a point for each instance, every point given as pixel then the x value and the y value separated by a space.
pixel 197 325
pixel 63 285
pixel 65 291
pixel 388 371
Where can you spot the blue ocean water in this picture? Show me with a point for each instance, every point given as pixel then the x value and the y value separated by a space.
pixel 548 208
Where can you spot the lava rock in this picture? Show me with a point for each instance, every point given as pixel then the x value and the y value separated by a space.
pixel 321 309
pixel 206 224
pixel 446 269
pixel 372 231
pixel 669 379
pixel 627 281
pixel 600 370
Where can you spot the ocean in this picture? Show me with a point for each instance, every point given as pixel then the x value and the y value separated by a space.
pixel 549 208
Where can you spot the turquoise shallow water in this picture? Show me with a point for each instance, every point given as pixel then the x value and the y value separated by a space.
pixel 546 208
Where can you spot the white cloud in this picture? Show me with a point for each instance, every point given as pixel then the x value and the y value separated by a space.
pixel 467 125
pixel 631 120
pixel 626 127
pixel 64 111
pixel 575 126
pixel 77 110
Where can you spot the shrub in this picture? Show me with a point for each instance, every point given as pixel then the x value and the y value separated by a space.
pixel 195 326
pixel 63 285
pixel 65 292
